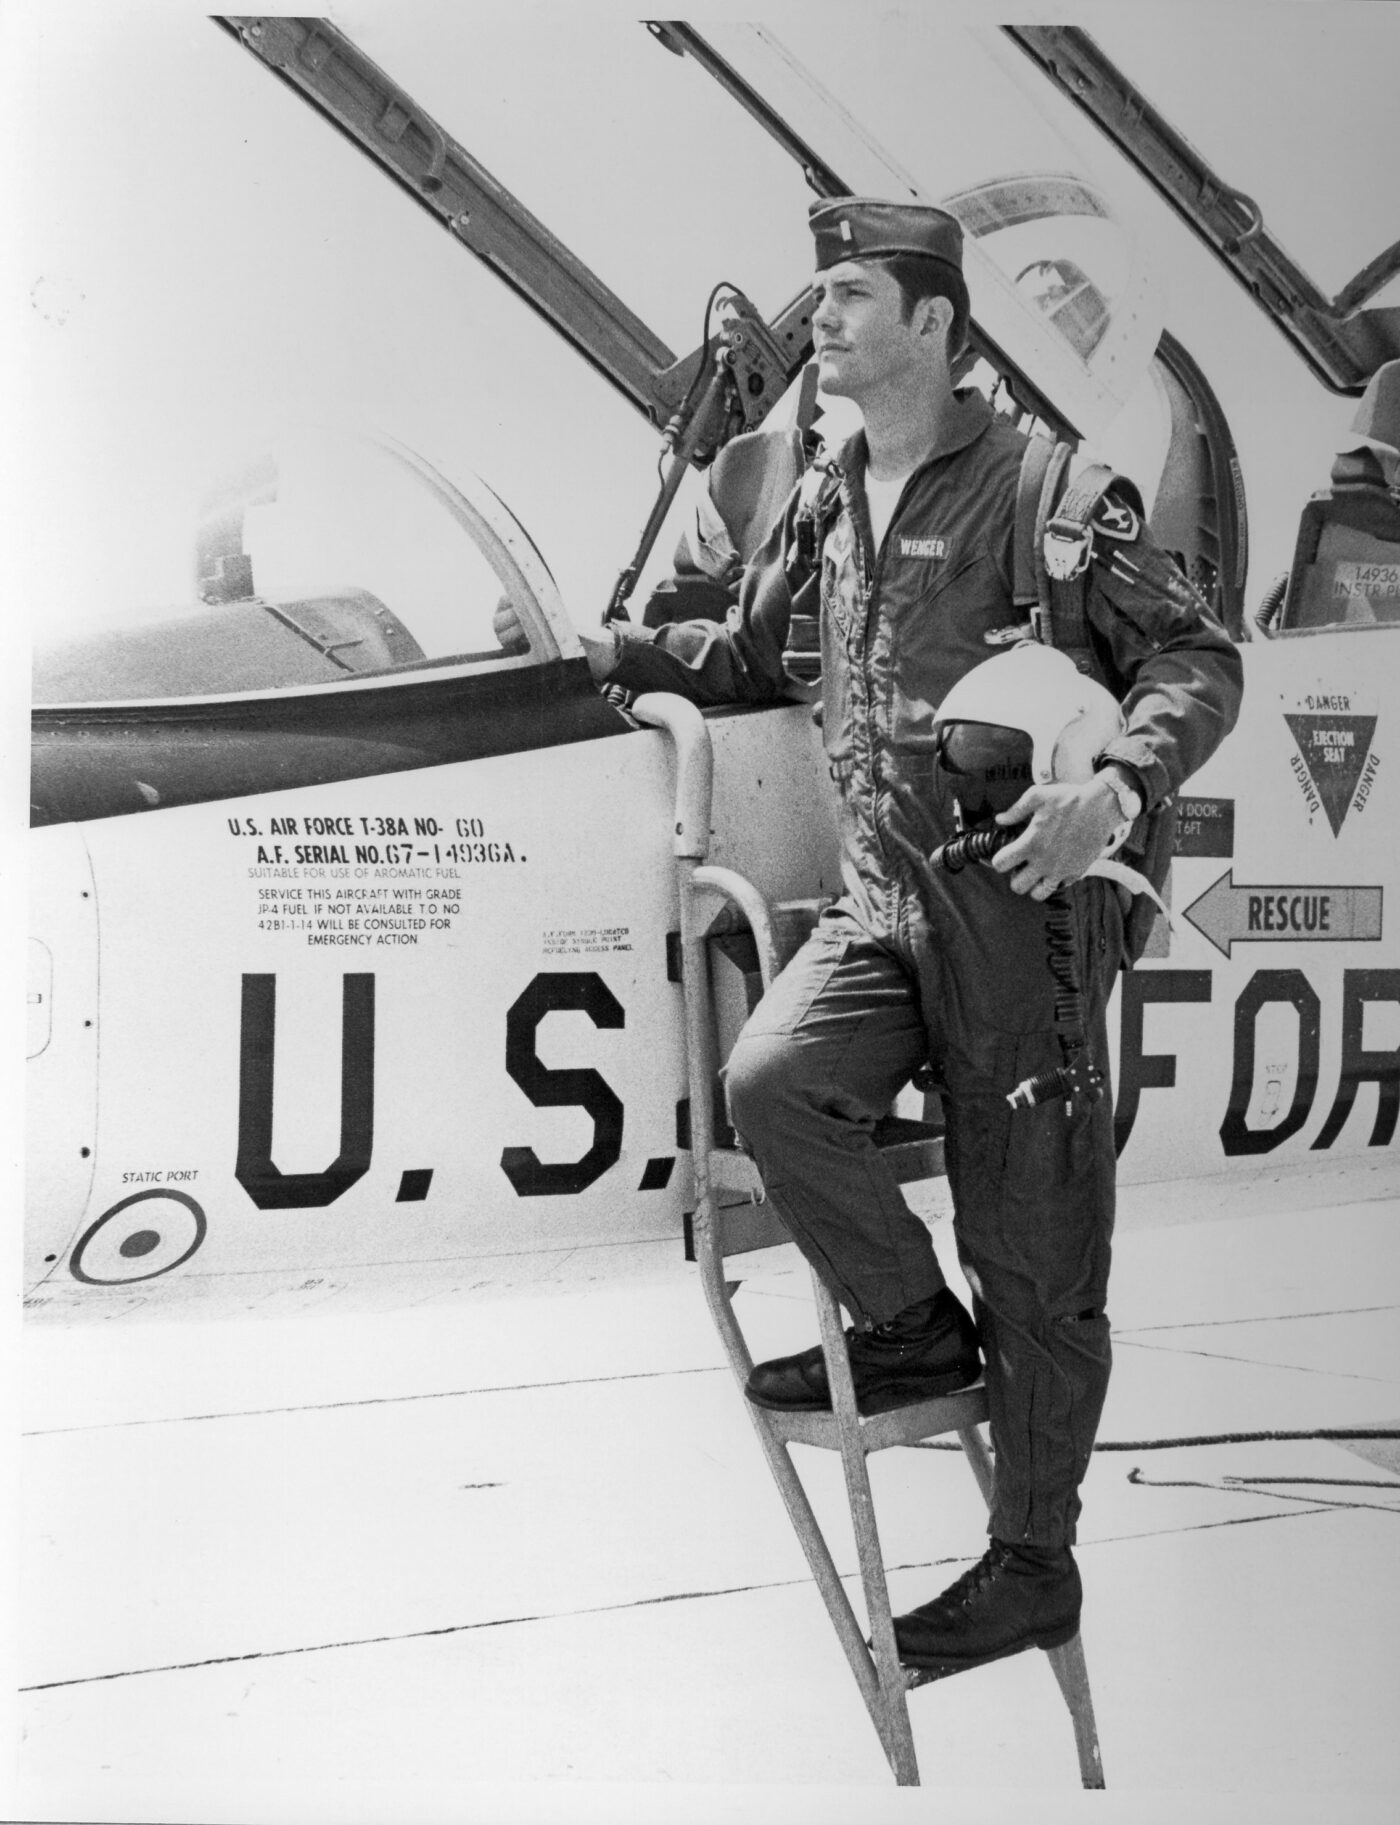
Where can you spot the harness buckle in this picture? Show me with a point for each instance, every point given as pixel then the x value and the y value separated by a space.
pixel 1068 549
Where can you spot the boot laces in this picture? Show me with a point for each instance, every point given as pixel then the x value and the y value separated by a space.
pixel 884 1334
pixel 977 1577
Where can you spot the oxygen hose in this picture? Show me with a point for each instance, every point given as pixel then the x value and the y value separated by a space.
pixel 972 846
pixel 1078 1075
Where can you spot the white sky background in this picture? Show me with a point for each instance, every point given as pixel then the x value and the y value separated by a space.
pixel 191 252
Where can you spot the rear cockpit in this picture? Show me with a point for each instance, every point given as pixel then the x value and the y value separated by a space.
pixel 1346 565
pixel 335 556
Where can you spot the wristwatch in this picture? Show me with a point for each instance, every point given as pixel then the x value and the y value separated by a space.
pixel 1129 798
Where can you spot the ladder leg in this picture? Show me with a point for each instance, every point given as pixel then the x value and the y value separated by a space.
pixel 1068 1665
pixel 1066 1662
pixel 888 1703
pixel 818 1555
pixel 881 1680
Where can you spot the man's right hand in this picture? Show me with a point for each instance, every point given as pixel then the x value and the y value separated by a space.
pixel 600 650
pixel 508 628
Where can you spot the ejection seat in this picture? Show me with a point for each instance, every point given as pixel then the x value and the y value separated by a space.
pixel 1346 561
pixel 731 1217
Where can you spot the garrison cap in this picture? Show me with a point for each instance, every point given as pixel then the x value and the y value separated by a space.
pixel 860 227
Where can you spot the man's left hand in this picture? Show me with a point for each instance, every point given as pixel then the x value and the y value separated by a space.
pixel 1068 830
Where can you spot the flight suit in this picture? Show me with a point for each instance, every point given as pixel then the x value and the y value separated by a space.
pixel 915 966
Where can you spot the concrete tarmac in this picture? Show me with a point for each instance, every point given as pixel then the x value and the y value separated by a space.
pixel 518 1557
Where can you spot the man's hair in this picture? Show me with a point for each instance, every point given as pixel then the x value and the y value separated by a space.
pixel 918 277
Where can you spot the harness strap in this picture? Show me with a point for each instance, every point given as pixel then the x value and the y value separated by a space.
pixel 1053 543
pixel 1024 567
pixel 1043 615
pixel 818 503
pixel 1070 534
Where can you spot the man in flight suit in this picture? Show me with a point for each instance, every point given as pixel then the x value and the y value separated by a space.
pixel 913 584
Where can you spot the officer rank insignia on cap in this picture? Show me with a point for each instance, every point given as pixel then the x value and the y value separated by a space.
pixel 860 227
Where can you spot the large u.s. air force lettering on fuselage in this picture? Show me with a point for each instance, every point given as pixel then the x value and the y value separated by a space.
pixel 423 1024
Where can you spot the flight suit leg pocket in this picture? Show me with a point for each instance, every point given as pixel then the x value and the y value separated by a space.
pixel 1033 1184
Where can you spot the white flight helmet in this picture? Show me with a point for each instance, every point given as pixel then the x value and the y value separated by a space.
pixel 1028 697
pixel 1038 691
pixel 1031 696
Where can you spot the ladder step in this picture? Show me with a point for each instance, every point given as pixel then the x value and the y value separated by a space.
pixel 925 1676
pixel 903 1426
pixel 913 1151
pixel 744 1227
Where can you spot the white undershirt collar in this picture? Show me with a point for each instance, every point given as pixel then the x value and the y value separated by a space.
pixel 882 498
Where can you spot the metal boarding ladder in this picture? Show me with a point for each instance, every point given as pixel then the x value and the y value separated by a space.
pixel 727 1190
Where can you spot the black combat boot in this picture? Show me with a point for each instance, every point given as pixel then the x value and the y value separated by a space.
pixel 1014 1597
pixel 929 1349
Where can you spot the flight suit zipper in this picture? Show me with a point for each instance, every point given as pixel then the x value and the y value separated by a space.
pixel 891 857
pixel 858 646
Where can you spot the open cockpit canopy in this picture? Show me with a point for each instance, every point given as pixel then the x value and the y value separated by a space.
pixel 615 175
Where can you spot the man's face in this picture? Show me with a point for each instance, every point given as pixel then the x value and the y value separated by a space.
pixel 861 337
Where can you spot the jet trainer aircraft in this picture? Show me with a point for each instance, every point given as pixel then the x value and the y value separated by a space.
pixel 352 956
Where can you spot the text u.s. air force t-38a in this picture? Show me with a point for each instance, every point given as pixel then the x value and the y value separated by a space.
pixel 353 932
